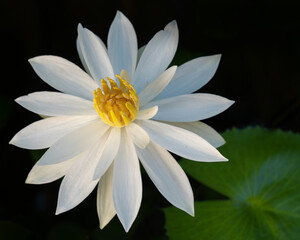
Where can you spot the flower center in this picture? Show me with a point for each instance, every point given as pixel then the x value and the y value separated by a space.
pixel 116 106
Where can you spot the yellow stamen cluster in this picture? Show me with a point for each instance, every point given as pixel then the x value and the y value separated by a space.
pixel 116 105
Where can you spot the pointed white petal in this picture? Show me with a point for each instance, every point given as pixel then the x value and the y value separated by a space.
pixel 156 57
pixel 127 182
pixel 78 182
pixel 190 107
pixel 122 44
pixel 81 56
pixel 105 205
pixel 110 151
pixel 64 76
pixel 45 132
pixel 155 87
pixel 79 50
pixel 138 135
pixel 74 143
pixel 191 76
pixel 182 142
pixel 94 54
pixel 203 130
pixel 147 113
pixel 168 176
pixel 45 174
pixel 56 104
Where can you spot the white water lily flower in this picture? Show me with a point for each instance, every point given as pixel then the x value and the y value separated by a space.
pixel 126 107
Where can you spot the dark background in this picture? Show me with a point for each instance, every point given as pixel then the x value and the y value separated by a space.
pixel 260 70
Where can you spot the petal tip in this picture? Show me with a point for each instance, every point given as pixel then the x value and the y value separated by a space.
pixel 119 14
pixel 12 141
pixel 174 22
pixel 15 142
pixel 103 224
pixel 189 208
pixel 220 143
pixel 218 55
pixel 30 180
pixel 191 212
pixel 223 159
pixel 230 103
pixel 79 28
pixel 59 210
pixel 126 228
pixel 33 60
pixel 19 99
pixel 147 113
pixel 173 68
pixel 126 223
pixel 27 180
pixel 171 26
pixel 217 59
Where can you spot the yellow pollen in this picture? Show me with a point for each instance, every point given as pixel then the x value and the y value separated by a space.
pixel 116 105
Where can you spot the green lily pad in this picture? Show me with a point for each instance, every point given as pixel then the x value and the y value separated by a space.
pixel 262 183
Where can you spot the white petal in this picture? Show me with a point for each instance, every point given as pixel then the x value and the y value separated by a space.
pixel 190 107
pixel 122 44
pixel 79 50
pixel 154 88
pixel 147 113
pixel 156 57
pixel 110 151
pixel 81 56
pixel 138 135
pixel 94 54
pixel 78 182
pixel 168 176
pixel 44 133
pixel 74 143
pixel 203 130
pixel 127 182
pixel 105 205
pixel 45 174
pixel 56 104
pixel 182 142
pixel 64 76
pixel 191 76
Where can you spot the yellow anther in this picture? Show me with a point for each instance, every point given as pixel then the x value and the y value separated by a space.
pixel 116 105
pixel 133 95
pixel 125 95
pixel 105 118
pixel 131 108
pixel 125 118
pixel 115 120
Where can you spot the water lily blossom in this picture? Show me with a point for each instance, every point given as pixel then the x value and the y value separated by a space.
pixel 128 107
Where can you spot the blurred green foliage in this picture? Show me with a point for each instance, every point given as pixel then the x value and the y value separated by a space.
pixel 13 231
pixel 67 230
pixel 261 181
